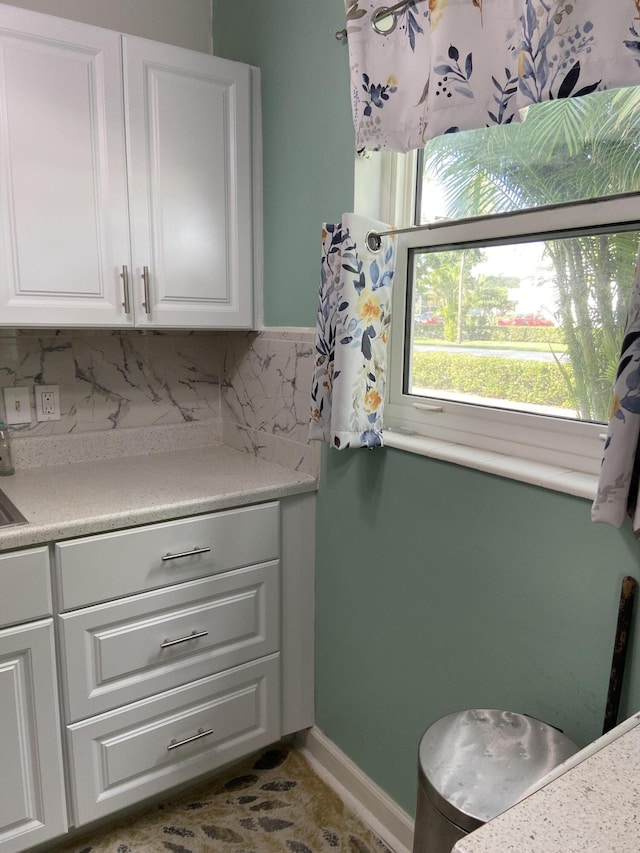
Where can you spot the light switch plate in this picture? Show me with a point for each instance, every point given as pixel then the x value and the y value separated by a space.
pixel 17 405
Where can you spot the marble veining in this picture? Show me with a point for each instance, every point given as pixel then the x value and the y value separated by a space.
pixel 265 385
pixel 252 389
pixel 116 380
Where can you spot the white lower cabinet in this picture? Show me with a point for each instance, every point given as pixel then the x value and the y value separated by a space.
pixel 182 647
pixel 32 799
pixel 148 746
pixel 170 642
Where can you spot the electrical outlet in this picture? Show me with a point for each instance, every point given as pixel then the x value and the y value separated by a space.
pixel 17 405
pixel 47 402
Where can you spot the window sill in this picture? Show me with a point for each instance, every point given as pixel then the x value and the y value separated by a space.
pixel 541 474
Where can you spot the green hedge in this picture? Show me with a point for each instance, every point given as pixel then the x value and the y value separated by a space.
pixel 537 382
pixel 517 334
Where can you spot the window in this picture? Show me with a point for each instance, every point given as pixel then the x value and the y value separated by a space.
pixel 515 291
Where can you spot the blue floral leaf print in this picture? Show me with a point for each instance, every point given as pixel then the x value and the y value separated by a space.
pixel 464 92
pixel 493 117
pixel 631 404
pixel 370 438
pixel 623 363
pixel 587 90
pixel 359 283
pixel 526 89
pixel 546 36
pixel 453 53
pixel 634 46
pixel 387 278
pixel 627 343
pixel 388 254
pixel 468 65
pixel 443 69
pixel 531 16
pixel 569 82
pixel 366 345
pixel 346 340
pixel 374 273
pixel 412 26
pixel 349 268
pixel 352 325
pixel 633 380
pixel 543 75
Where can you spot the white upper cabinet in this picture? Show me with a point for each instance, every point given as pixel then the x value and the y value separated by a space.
pixel 126 180
pixel 189 135
pixel 63 194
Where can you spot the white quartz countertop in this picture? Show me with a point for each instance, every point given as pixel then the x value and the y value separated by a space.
pixel 593 806
pixel 76 499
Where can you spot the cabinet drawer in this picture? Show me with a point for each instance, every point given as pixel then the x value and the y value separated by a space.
pixel 26 585
pixel 124 650
pixel 112 565
pixel 123 756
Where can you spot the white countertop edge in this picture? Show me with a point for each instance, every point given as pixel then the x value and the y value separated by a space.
pixel 85 498
pixel 577 483
pixel 22 536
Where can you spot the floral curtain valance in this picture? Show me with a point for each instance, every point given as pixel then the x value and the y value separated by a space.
pixel 354 315
pixel 454 65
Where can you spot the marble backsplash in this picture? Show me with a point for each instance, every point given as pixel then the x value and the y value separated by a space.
pixel 248 390
pixel 265 396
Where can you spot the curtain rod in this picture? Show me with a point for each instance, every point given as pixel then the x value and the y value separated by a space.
pixel 379 19
pixel 373 238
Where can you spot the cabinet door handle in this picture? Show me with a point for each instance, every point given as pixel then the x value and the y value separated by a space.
pixel 194 635
pixel 124 275
pixel 185 554
pixel 147 297
pixel 201 733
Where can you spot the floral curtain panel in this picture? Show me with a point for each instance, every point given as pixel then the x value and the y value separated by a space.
pixel 617 494
pixel 354 315
pixel 452 65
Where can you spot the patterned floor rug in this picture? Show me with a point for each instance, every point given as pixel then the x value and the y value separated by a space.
pixel 272 803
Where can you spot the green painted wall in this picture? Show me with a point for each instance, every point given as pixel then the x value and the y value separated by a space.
pixel 438 587
pixel 308 136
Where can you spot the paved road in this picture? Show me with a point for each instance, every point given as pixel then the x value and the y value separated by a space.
pixel 521 355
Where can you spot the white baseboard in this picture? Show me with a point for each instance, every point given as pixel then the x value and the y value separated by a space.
pixel 375 808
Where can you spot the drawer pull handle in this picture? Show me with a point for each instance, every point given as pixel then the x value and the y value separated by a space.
pixel 186 554
pixel 194 635
pixel 201 733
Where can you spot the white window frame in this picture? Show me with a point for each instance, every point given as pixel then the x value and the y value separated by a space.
pixel 556 453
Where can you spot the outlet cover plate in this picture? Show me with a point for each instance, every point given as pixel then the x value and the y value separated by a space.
pixel 47 402
pixel 17 405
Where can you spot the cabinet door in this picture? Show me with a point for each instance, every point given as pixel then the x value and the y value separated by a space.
pixel 189 135
pixel 63 204
pixel 32 804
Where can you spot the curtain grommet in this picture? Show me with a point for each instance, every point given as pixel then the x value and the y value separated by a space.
pixel 373 241
pixel 383 20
